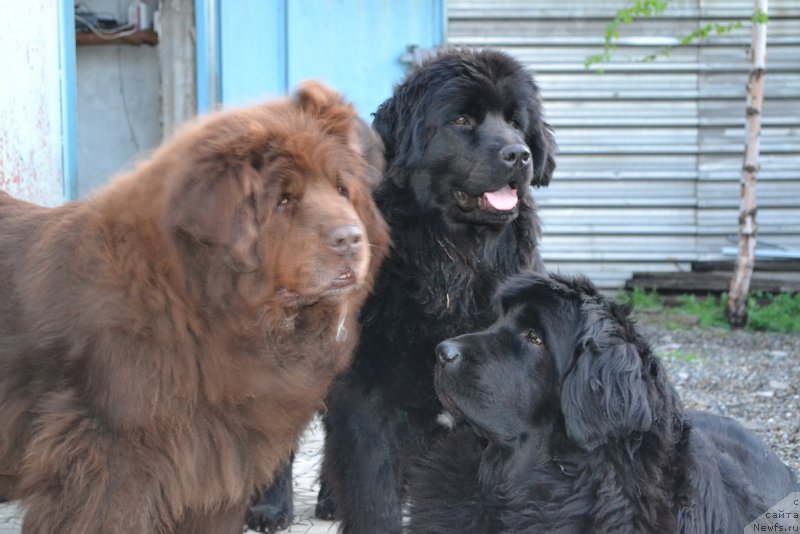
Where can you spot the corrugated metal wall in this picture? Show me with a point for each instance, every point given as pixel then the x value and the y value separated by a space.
pixel 651 153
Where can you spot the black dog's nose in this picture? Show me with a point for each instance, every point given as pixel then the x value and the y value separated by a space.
pixel 344 239
pixel 513 154
pixel 448 352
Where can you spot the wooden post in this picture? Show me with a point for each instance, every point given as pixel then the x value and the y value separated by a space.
pixel 176 55
pixel 736 308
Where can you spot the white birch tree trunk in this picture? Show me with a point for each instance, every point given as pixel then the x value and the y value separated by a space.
pixel 736 308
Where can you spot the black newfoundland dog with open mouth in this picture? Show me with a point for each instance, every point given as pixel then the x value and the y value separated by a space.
pixel 465 142
pixel 575 428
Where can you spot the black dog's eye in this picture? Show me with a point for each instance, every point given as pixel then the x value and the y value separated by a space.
pixel 462 120
pixel 531 336
pixel 516 124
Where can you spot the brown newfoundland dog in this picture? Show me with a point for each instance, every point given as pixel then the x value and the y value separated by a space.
pixel 163 344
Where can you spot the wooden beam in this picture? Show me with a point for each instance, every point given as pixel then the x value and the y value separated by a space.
pixel 760 265
pixel 713 282
pixel 148 37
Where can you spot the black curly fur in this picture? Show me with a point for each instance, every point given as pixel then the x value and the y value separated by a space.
pixel 442 272
pixel 582 433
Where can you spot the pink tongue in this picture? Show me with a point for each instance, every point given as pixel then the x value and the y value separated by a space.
pixel 503 199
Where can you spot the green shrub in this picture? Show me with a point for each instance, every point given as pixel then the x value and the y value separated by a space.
pixel 644 299
pixel 780 313
pixel 765 312
pixel 709 311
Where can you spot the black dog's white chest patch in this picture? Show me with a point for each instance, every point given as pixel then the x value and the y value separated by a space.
pixel 446 420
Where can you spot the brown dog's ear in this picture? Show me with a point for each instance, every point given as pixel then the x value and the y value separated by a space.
pixel 604 396
pixel 322 102
pixel 217 209
pixel 340 118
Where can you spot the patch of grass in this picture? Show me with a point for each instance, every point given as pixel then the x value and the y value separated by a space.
pixel 644 299
pixel 777 313
pixel 766 312
pixel 673 325
pixel 688 357
pixel 709 311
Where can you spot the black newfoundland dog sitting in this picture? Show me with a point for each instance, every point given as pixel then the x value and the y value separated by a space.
pixel 465 141
pixel 575 428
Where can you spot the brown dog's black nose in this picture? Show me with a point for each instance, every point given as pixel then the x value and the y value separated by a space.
pixel 448 352
pixel 344 239
pixel 514 154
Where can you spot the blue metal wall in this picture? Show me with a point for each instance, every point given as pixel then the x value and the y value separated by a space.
pixel 356 46
pixel 66 15
pixel 266 47
pixel 253 50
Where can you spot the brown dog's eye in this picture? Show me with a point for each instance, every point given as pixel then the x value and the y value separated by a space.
pixel 462 120
pixel 342 190
pixel 531 336
pixel 284 202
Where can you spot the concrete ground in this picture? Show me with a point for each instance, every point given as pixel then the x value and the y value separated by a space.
pixel 306 467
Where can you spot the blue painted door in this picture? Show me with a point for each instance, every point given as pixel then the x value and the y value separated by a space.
pixel 69 143
pixel 266 47
pixel 356 45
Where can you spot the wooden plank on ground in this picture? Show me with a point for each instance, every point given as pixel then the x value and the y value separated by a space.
pixel 760 265
pixel 713 281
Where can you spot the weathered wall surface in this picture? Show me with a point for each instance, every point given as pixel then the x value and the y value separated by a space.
pixel 30 102
pixel 118 108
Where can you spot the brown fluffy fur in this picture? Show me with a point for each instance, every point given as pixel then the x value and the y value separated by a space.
pixel 163 344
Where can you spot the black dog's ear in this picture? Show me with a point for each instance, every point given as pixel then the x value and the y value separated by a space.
pixel 543 145
pixel 385 121
pixel 367 142
pixel 604 396
pixel 396 140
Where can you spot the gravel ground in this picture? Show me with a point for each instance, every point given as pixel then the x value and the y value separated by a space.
pixel 752 377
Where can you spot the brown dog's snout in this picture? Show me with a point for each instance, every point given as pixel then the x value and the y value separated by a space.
pixel 515 154
pixel 448 352
pixel 345 240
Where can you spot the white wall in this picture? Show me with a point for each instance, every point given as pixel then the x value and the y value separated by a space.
pixel 118 110
pixel 30 102
pixel 118 104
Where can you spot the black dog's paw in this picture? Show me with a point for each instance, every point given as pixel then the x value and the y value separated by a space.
pixel 326 508
pixel 272 509
pixel 268 518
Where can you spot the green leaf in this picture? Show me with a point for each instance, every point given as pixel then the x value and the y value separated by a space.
pixel 760 17
pixel 649 8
